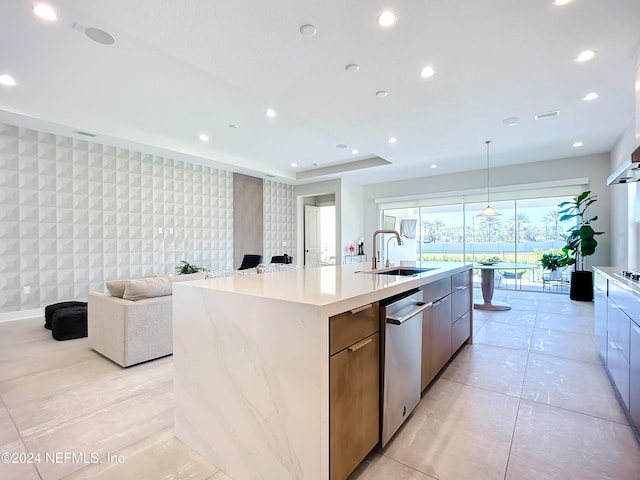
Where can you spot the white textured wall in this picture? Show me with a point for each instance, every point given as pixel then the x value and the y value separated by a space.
pixel 279 220
pixel 75 213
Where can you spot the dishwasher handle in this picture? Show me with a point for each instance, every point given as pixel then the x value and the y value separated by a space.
pixel 419 308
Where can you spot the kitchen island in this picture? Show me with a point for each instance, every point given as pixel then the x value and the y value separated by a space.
pixel 251 356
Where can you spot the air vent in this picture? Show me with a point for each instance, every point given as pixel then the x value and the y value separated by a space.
pixel 540 116
pixel 86 134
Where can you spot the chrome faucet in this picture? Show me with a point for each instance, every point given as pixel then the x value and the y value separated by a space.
pixel 375 245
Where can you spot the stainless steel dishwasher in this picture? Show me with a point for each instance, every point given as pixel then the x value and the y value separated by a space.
pixel 402 360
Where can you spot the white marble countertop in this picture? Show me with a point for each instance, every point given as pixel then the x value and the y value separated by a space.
pixel 347 285
pixel 615 274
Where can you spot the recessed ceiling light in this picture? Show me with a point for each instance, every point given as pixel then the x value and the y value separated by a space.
pixel 381 93
pixel 203 137
pixel 585 56
pixel 7 80
pixel 341 145
pixel 387 18
pixel 233 125
pixel 577 144
pixel 427 72
pixel 352 67
pixel 559 3
pixel 270 112
pixel 392 140
pixel 45 12
pixel 308 30
pixel 99 36
pixel 433 166
pixel 511 121
pixel 294 164
pixel 590 96
pixel 354 151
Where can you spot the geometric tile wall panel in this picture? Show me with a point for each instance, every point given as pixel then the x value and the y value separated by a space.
pixel 279 219
pixel 74 214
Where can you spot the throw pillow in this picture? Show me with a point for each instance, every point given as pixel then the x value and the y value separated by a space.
pixel 116 287
pixel 147 288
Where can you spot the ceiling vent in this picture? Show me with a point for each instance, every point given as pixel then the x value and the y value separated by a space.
pixel 540 116
pixel 86 134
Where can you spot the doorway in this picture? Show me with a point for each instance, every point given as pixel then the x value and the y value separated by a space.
pixel 320 230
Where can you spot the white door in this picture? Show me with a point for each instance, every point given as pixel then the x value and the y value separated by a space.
pixel 311 234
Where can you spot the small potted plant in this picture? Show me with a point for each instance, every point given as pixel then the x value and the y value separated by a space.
pixel 580 243
pixel 552 261
pixel 186 268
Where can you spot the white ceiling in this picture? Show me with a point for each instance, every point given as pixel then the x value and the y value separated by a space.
pixel 179 68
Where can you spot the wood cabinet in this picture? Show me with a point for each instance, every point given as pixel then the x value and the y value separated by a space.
pixel 354 388
pixel 436 330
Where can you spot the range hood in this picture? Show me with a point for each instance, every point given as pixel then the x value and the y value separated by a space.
pixel 628 171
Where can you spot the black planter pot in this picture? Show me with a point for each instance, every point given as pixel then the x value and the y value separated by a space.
pixel 581 286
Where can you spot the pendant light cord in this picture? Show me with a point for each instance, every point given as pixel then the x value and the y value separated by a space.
pixel 488 182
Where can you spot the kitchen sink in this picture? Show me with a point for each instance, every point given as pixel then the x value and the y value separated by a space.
pixel 405 271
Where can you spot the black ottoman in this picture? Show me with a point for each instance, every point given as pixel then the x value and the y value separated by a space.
pixel 49 310
pixel 70 322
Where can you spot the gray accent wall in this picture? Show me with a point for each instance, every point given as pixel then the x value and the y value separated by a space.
pixel 75 213
pixel 247 216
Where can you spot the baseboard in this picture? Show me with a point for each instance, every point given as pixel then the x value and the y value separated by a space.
pixel 21 314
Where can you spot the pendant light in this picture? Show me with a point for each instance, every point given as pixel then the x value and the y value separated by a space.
pixel 488 211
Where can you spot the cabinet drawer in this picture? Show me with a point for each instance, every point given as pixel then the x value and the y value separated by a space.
pixel 628 301
pixel 634 375
pixel 460 331
pixel 619 330
pixel 354 408
pixel 352 326
pixel 436 290
pixel 460 280
pixel 460 302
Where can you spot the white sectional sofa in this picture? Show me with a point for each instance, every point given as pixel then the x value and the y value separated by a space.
pixel 134 323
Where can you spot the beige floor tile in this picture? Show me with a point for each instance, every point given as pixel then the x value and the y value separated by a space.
pixel 8 432
pixel 493 368
pixel 503 335
pixel 564 306
pixel 566 322
pixel 219 476
pixel 38 384
pixel 158 456
pixel 107 430
pixel 518 318
pixel 555 444
pixel 577 346
pixel 33 359
pixel 378 467
pixel 20 465
pixel 457 432
pixel 574 385
pixel 49 409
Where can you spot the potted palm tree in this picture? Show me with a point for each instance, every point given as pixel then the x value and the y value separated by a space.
pixel 580 243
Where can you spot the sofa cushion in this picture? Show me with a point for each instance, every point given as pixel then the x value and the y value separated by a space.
pixel 187 277
pixel 147 288
pixel 116 287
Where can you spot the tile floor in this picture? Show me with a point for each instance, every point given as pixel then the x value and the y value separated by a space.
pixel 529 400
